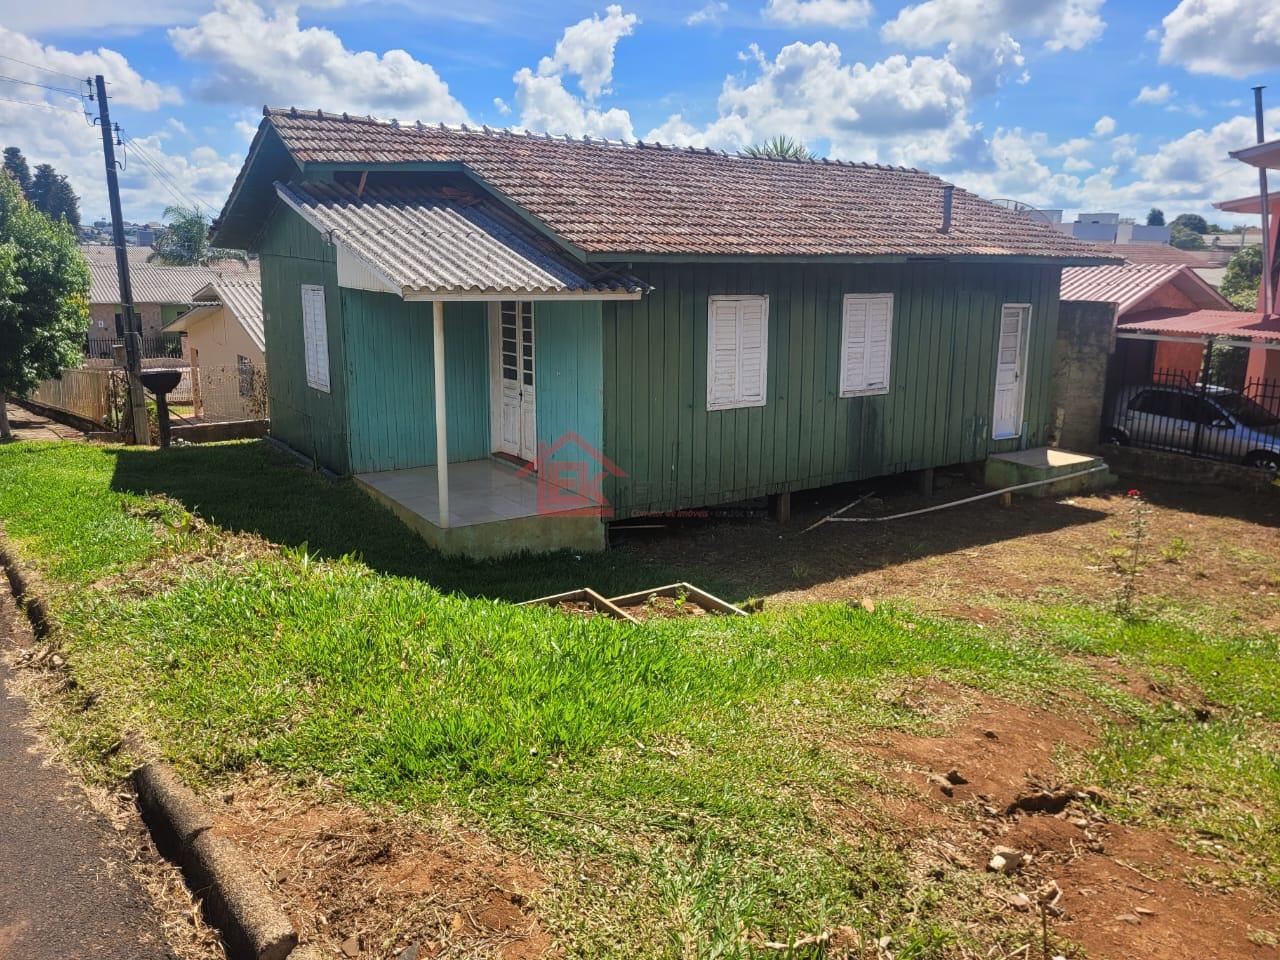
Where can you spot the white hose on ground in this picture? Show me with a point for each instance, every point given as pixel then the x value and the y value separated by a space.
pixel 836 518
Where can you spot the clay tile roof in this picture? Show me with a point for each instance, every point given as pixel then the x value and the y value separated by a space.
pixel 605 197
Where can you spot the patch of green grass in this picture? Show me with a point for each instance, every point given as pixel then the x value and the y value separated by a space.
pixel 689 786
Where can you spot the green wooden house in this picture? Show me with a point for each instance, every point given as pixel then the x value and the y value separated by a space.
pixel 513 339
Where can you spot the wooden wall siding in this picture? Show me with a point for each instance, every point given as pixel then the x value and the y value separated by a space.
pixel 391 382
pixel 938 410
pixel 306 419
pixel 568 373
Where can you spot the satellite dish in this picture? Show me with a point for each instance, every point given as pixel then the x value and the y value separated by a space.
pixel 1026 209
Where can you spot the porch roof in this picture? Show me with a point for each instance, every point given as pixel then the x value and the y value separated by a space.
pixel 444 243
pixel 1230 325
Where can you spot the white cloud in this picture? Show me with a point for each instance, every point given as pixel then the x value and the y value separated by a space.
pixel 256 57
pixel 61 15
pixel 125 85
pixel 501 106
pixel 711 13
pixel 1076 164
pixel 1185 174
pixel 586 50
pixel 826 13
pixel 1068 24
pixel 1150 94
pixel 1231 38
pixel 898 110
pixel 1104 127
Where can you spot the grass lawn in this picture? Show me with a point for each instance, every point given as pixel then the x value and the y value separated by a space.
pixel 690 788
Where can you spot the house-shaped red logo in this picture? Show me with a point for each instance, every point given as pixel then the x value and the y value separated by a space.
pixel 572 485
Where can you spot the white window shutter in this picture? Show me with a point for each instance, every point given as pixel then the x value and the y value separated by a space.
pixel 737 351
pixel 315 337
pixel 866 336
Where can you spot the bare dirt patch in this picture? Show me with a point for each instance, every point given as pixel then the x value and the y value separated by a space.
pixel 1221 547
pixel 372 885
pixel 1127 893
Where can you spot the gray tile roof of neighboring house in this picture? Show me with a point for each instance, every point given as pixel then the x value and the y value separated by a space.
pixel 241 292
pixel 152 282
pixel 614 199
pixel 448 241
pixel 1128 283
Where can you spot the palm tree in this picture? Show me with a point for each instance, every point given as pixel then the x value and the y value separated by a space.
pixel 185 240
pixel 780 147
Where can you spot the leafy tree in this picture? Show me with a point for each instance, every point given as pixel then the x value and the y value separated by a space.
pixel 1243 277
pixel 52 195
pixel 780 148
pixel 186 239
pixel 1191 221
pixel 1184 239
pixel 16 164
pixel 44 296
pixel 1155 217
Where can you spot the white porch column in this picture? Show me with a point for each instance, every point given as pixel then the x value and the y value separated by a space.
pixel 442 430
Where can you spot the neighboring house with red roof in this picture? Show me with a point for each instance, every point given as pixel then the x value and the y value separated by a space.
pixel 438 302
pixel 1137 288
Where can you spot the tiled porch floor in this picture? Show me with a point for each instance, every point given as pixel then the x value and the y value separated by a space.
pixel 480 491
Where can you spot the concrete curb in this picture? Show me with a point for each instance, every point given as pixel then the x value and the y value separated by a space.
pixel 22 585
pixel 234 896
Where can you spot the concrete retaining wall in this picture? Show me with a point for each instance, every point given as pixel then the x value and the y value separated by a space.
pixel 1180 468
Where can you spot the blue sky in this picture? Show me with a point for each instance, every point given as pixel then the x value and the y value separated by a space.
pixel 1081 104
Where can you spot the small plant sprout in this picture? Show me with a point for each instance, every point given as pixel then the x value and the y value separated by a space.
pixel 1129 559
pixel 1176 550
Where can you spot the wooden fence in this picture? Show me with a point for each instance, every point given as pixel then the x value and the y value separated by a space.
pixel 84 392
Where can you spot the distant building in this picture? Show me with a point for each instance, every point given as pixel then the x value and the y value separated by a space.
pixel 1111 228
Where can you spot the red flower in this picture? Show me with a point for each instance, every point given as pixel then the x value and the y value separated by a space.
pixel 1134 493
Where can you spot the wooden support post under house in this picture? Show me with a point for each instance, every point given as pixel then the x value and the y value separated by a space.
pixel 1006 499
pixel 780 507
pixel 924 481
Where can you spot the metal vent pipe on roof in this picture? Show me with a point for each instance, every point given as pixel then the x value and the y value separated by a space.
pixel 947 191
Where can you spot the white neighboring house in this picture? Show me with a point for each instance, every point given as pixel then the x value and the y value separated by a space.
pixel 225 341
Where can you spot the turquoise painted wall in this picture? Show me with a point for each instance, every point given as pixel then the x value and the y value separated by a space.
pixel 938 411
pixel 308 420
pixel 391 381
pixel 569 374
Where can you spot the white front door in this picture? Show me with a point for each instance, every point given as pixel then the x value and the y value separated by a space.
pixel 1011 361
pixel 515 420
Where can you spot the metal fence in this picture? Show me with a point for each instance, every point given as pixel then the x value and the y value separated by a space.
pixel 1225 415
pixel 165 345
pixel 221 392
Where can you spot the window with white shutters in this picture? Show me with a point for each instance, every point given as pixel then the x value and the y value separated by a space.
pixel 315 337
pixel 737 351
pixel 866 334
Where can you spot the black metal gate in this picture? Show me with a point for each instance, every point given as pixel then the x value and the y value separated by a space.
pixel 1223 414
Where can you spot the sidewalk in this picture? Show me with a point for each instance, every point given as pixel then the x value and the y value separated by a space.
pixel 31 426
pixel 65 889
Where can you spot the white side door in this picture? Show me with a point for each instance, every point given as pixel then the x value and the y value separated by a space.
pixel 1011 361
pixel 515 420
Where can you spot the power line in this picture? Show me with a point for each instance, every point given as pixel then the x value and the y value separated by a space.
pixel 32 83
pixel 42 103
pixel 164 176
pixel 35 66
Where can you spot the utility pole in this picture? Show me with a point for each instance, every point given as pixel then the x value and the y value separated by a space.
pixel 132 328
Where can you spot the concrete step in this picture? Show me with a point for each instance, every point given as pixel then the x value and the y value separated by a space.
pixel 1077 472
